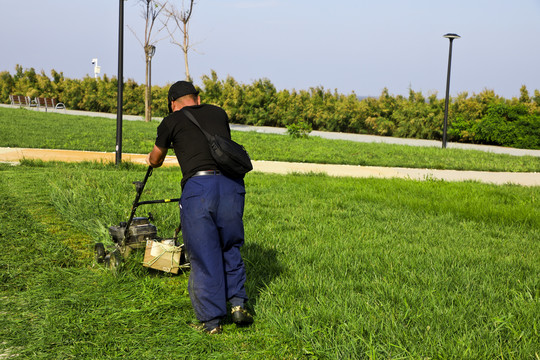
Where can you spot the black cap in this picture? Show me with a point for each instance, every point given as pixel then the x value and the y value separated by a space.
pixel 179 89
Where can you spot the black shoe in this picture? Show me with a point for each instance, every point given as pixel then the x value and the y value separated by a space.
pixel 202 327
pixel 240 316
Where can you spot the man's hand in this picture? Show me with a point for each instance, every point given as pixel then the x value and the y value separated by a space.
pixel 156 156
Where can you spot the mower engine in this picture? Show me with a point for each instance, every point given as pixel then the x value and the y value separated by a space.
pixel 140 230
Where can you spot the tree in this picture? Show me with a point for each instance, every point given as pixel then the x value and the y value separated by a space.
pixel 180 18
pixel 151 11
pixel 524 95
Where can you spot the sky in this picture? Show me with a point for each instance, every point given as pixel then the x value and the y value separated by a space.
pixel 349 46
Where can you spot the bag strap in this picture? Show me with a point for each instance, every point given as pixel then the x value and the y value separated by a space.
pixel 193 120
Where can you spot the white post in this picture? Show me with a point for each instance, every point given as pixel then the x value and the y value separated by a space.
pixel 97 68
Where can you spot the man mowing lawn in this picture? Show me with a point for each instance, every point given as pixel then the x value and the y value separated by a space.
pixel 212 209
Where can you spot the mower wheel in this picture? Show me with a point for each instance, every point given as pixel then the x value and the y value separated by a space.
pixel 99 249
pixel 115 259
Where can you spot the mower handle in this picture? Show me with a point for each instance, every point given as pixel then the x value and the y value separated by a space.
pixel 157 201
pixel 139 186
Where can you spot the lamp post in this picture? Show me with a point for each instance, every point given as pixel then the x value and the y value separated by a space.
pixel 450 37
pixel 152 53
pixel 120 99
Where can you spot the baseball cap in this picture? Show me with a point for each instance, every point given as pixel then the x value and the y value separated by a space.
pixel 179 89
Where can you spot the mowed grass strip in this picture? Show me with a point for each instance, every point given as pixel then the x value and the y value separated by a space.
pixel 337 268
pixel 24 128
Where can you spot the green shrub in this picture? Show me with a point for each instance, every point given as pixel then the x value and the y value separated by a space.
pixel 511 122
pixel 509 125
pixel 299 130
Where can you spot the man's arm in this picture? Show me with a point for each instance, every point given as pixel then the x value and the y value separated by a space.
pixel 156 156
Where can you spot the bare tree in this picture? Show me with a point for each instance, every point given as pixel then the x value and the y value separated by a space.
pixel 180 19
pixel 150 13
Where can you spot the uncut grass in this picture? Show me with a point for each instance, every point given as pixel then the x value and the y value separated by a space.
pixel 337 268
pixel 24 128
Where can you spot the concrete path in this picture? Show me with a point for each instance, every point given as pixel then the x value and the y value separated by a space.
pixel 83 113
pixel 392 140
pixel 14 155
pixel 327 135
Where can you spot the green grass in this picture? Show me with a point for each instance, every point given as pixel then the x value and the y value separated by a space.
pixel 23 128
pixel 338 268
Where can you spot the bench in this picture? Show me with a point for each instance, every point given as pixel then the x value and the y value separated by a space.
pixel 48 103
pixel 19 100
pixel 38 102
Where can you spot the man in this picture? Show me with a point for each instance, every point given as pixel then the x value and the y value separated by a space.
pixel 212 209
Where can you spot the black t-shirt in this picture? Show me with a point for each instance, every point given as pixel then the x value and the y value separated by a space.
pixel 189 143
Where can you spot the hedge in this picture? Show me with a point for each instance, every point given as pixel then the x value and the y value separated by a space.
pixel 483 118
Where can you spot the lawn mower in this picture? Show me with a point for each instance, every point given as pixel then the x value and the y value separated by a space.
pixel 139 233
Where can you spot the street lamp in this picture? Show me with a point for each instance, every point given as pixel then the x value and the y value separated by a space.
pixel 151 54
pixel 450 37
pixel 120 99
pixel 152 51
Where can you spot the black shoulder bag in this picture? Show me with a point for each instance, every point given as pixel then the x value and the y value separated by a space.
pixel 231 157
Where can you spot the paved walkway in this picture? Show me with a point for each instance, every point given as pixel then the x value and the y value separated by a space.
pixel 328 135
pixel 14 155
pixel 393 140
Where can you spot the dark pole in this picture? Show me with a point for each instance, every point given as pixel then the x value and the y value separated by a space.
pixel 120 100
pixel 451 37
pixel 152 53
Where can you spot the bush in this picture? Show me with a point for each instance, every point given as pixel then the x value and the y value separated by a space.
pixel 509 125
pixel 299 130
pixel 481 118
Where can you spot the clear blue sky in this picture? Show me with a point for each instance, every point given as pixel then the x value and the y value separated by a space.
pixel 348 45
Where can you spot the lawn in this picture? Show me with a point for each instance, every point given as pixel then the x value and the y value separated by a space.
pixel 24 128
pixel 338 268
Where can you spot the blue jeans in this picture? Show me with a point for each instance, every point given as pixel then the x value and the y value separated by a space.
pixel 213 232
